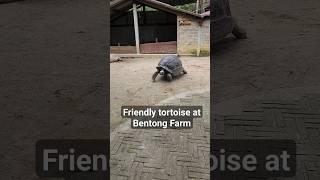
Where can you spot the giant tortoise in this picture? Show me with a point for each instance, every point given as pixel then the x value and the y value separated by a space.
pixel 169 66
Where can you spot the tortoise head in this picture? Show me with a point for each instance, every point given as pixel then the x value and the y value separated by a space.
pixel 161 72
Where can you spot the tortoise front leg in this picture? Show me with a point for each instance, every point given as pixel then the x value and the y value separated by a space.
pixel 169 77
pixel 154 76
pixel 184 71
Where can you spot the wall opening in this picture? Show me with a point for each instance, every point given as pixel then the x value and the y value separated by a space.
pixel 157 30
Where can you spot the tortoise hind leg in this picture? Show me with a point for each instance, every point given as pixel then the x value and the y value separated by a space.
pixel 184 71
pixel 154 76
pixel 239 32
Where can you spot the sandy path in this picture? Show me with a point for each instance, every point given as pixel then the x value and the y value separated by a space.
pixel 131 82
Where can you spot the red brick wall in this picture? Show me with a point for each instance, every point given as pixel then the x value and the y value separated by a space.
pixel 148 48
pixel 159 48
pixel 123 50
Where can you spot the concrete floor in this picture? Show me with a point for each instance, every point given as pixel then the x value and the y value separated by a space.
pixel 52 76
pixel 282 50
pixel 131 82
pixel 267 87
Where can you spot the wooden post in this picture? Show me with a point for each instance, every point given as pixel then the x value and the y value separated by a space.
pixel 201 8
pixel 199 40
pixel 197 6
pixel 136 27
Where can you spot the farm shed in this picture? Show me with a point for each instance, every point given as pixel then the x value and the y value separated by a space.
pixel 154 27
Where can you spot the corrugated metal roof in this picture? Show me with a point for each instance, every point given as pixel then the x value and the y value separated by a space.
pixel 121 6
pixel 176 2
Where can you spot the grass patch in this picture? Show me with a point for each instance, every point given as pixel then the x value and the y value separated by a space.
pixel 203 53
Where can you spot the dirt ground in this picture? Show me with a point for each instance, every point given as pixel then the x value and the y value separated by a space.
pixel 131 82
pixel 282 50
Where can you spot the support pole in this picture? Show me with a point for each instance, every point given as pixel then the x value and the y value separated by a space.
pixel 201 6
pixel 136 27
pixel 197 7
pixel 199 41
